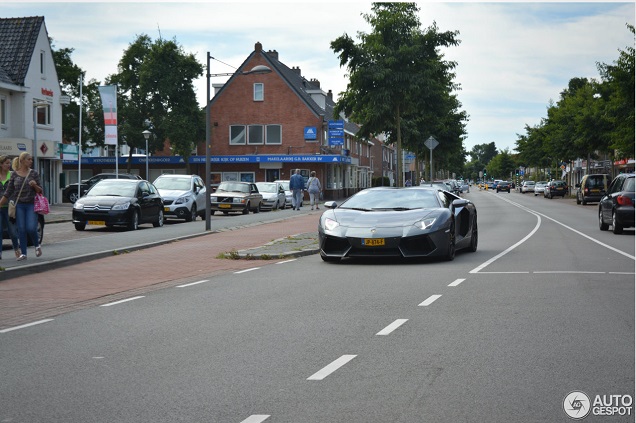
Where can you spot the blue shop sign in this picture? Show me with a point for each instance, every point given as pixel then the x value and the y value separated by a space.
pixel 178 160
pixel 310 132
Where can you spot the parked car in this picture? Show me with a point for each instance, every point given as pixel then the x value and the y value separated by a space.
pixel 527 186
pixel 288 194
pixel 273 195
pixel 539 188
pixel 555 188
pixel 398 222
pixel 69 192
pixel 232 196
pixel 119 202
pixel 616 208
pixel 183 196
pixel 503 186
pixel 464 186
pixel 592 188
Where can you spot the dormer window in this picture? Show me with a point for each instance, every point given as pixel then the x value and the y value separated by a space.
pixel 259 89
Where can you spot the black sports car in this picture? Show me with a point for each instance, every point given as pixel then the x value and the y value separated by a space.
pixel 398 222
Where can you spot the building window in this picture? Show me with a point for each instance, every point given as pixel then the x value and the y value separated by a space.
pixel 3 111
pixel 42 56
pixel 259 91
pixel 237 134
pixel 43 115
pixel 274 134
pixel 255 134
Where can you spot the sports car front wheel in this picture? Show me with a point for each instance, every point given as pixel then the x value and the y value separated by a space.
pixel 450 254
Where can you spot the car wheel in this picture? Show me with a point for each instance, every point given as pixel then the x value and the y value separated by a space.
pixel 284 205
pixel 616 227
pixel 584 202
pixel 474 237
pixel 258 208
pixel 550 196
pixel 159 222
pixel 246 210
pixel 578 200
pixel 80 226
pixel 450 254
pixel 193 213
pixel 72 196
pixel 133 225
pixel 601 224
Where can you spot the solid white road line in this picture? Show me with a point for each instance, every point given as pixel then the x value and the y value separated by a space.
pixel 193 283
pixel 393 326
pixel 457 282
pixel 256 418
pixel 25 326
pixel 286 261
pixel 330 368
pixel 121 301
pixel 246 270
pixel 429 300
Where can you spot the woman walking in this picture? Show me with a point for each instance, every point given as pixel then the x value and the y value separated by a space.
pixel 5 175
pixel 314 188
pixel 23 184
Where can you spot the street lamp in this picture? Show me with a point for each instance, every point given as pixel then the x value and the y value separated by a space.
pixel 257 70
pixel 146 136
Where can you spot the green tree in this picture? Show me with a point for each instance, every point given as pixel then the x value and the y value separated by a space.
pixel 155 86
pixel 483 153
pixel 390 70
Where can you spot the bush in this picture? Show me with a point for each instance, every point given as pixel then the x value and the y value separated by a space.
pixel 381 181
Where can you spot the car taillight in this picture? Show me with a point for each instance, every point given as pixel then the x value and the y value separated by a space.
pixel 624 200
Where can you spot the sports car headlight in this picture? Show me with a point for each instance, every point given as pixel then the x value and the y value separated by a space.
pixel 331 224
pixel 425 223
pixel 123 206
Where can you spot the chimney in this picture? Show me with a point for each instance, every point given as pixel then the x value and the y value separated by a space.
pixel 296 70
pixel 273 54
pixel 330 95
pixel 315 82
pixel 258 47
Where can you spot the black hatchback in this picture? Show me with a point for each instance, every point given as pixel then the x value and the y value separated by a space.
pixel 119 202
pixel 616 208
pixel 555 188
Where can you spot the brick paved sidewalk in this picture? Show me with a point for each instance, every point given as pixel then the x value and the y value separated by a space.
pixel 42 295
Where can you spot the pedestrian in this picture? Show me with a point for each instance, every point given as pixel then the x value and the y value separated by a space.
pixel 5 175
pixel 314 188
pixel 297 185
pixel 408 183
pixel 23 184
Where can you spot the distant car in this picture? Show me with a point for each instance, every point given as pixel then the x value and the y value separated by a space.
pixel 183 196
pixel 288 194
pixel 398 222
pixel 233 196
pixel 503 186
pixel 527 186
pixel 539 188
pixel 592 188
pixel 69 192
pixel 616 208
pixel 273 195
pixel 119 202
pixel 555 188
pixel 464 186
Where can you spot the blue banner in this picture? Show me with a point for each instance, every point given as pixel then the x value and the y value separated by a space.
pixel 262 158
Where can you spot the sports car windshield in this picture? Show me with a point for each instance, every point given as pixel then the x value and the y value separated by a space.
pixel 393 199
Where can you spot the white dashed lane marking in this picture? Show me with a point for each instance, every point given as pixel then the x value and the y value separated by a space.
pixel 330 368
pixel 193 283
pixel 25 326
pixel 256 418
pixel 429 300
pixel 393 326
pixel 457 282
pixel 246 270
pixel 122 301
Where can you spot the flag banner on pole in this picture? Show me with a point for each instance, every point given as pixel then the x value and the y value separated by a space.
pixel 108 94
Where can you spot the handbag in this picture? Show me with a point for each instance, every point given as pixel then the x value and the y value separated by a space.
pixel 40 204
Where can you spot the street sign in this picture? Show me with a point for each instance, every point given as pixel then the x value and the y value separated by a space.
pixel 336 132
pixel 431 143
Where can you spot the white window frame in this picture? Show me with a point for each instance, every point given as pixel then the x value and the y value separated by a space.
pixel 280 134
pixel 259 91
pixel 238 141
pixel 3 110
pixel 43 115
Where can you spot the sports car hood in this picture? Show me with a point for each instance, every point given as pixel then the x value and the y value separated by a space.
pixel 380 218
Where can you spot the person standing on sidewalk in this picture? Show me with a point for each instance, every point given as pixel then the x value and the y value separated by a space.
pixel 5 175
pixel 297 185
pixel 23 185
pixel 314 188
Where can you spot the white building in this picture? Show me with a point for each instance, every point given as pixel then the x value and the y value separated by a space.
pixel 30 99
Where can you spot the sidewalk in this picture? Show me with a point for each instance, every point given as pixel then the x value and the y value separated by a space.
pixel 45 294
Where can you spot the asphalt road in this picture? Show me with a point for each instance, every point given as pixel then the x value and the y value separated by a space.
pixel 543 308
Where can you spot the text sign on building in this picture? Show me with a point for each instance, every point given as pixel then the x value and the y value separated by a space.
pixel 310 132
pixel 336 132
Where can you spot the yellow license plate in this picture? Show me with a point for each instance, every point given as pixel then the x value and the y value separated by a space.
pixel 595 190
pixel 373 242
pixel 97 222
pixel 166 209
pixel 225 206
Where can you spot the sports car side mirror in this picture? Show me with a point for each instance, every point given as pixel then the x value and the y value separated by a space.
pixel 331 204
pixel 460 203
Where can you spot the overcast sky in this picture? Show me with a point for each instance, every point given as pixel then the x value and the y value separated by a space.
pixel 512 60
